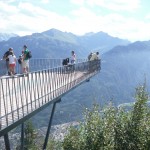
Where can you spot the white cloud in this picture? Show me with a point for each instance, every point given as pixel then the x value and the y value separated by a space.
pixel 77 2
pixel 147 16
pixel 7 1
pixel 116 5
pixel 127 28
pixel 85 21
pixel 113 24
pixel 27 18
pixel 45 1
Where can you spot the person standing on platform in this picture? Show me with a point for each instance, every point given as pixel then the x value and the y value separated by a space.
pixel 73 57
pixel 5 57
pixel 25 62
pixel 91 58
pixel 12 63
pixel 73 60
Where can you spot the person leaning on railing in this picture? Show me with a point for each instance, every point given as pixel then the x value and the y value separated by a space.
pixel 94 56
pixel 91 58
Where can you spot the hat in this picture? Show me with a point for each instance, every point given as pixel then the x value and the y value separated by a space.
pixel 10 49
pixel 25 46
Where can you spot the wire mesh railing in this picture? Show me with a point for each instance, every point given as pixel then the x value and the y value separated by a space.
pixel 22 94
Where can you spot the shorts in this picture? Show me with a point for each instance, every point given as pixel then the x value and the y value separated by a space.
pixel 12 65
pixel 25 64
pixel 72 61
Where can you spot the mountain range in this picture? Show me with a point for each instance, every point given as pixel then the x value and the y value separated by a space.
pixel 125 65
pixel 57 44
pixel 123 69
pixel 7 36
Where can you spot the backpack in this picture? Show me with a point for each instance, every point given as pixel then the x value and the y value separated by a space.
pixel 89 57
pixel 19 61
pixel 29 55
pixel 6 56
pixel 65 61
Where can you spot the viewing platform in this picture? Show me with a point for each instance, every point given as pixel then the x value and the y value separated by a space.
pixel 24 95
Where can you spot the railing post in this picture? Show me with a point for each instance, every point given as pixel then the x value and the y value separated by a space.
pixel 6 139
pixel 22 136
pixel 49 125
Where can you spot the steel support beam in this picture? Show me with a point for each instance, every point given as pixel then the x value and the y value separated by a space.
pixel 6 139
pixel 88 80
pixel 22 136
pixel 49 125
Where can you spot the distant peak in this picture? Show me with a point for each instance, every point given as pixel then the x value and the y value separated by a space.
pixel 7 36
pixel 52 31
pixel 94 33
pixel 89 33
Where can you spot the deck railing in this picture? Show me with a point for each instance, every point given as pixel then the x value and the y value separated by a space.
pixel 22 94
pixel 35 64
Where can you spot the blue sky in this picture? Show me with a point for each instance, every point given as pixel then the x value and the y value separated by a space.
pixel 127 19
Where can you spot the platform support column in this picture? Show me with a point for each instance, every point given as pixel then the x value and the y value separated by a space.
pixel 22 136
pixel 6 139
pixel 49 125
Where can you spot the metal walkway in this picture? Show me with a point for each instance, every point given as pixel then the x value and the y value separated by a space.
pixel 22 96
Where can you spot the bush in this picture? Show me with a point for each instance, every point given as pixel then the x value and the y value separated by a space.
pixel 54 145
pixel 113 128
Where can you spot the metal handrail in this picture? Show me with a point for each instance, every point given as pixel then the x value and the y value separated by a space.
pixel 22 94
pixel 35 64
